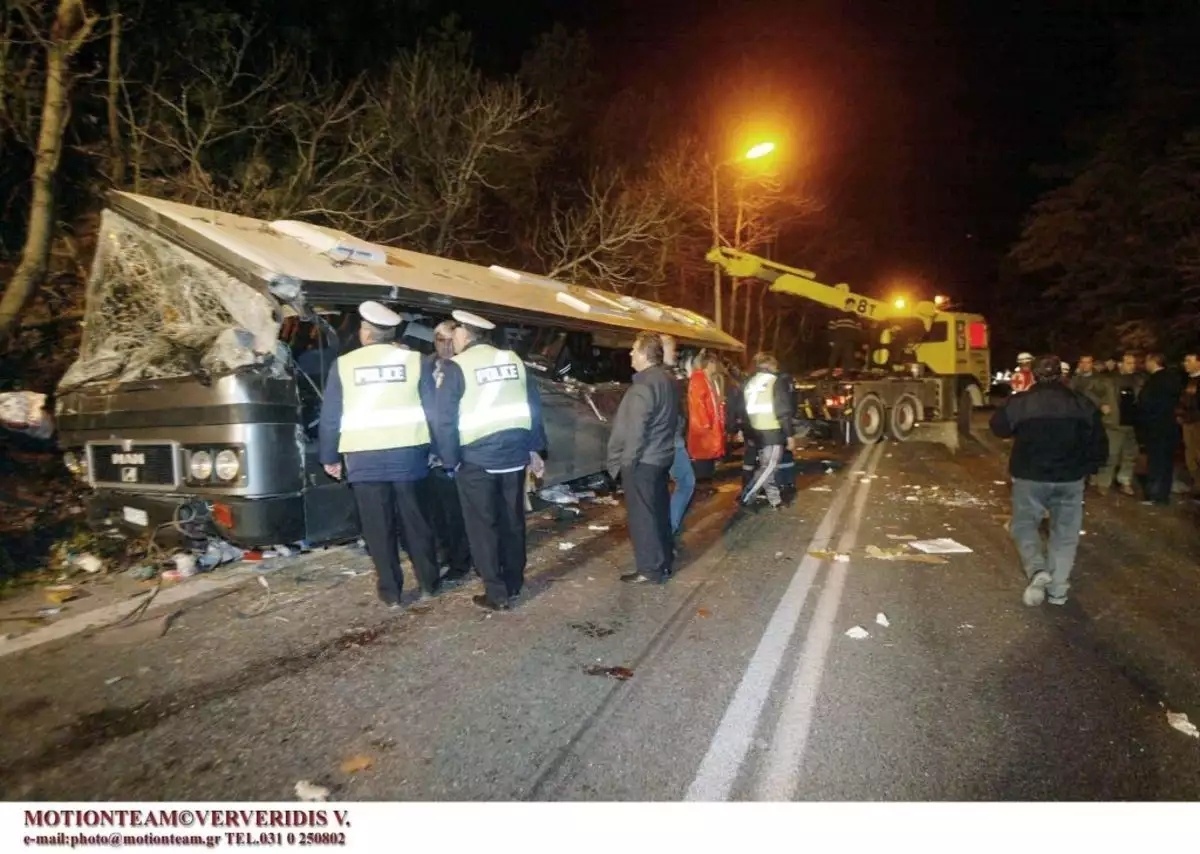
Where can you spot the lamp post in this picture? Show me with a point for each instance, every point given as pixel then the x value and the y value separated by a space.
pixel 754 153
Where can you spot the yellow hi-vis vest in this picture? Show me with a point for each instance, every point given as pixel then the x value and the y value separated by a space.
pixel 495 396
pixel 381 399
pixel 760 402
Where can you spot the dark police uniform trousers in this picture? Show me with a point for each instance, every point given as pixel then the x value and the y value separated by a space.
pixel 493 506
pixel 648 504
pixel 391 512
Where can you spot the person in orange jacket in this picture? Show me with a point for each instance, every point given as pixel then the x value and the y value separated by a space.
pixel 706 410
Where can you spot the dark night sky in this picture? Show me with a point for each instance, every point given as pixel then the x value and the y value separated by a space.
pixel 921 118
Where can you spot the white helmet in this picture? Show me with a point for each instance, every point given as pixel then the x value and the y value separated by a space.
pixel 1066 369
pixel 1025 357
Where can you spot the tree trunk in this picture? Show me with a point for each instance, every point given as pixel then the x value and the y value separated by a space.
pixel 116 152
pixel 762 324
pixel 775 337
pixel 71 27
pixel 749 286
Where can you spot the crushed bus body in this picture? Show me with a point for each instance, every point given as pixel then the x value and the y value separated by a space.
pixel 194 403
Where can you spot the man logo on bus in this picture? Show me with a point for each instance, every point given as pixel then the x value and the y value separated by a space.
pixel 380 374
pixel 496 374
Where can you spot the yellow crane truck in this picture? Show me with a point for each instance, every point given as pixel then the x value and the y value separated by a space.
pixel 928 365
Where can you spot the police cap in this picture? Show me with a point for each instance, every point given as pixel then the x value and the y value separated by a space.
pixel 378 314
pixel 472 320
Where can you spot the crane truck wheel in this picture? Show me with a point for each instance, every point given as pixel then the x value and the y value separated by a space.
pixel 870 419
pixel 905 414
pixel 966 405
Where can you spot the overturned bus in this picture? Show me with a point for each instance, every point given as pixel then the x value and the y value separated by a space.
pixel 194 403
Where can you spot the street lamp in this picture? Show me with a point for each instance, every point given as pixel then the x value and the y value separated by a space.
pixel 762 149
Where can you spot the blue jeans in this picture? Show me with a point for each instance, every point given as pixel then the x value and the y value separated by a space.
pixel 685 484
pixel 1031 500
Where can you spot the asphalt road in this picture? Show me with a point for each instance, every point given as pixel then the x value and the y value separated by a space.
pixel 744 684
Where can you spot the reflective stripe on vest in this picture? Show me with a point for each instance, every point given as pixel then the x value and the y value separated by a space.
pixel 760 402
pixel 381 399
pixel 495 397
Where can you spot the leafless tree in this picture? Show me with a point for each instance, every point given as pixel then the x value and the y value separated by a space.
pixel 60 38
pixel 611 237
pixel 434 138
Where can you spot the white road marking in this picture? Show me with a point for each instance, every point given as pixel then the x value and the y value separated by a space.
pixel 719 769
pixel 779 778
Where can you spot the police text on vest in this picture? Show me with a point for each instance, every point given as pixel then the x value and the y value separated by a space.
pixel 381 374
pixel 496 374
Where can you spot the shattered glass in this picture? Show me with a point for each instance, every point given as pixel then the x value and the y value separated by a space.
pixel 155 310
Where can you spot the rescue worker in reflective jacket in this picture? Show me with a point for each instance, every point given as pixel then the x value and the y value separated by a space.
pixel 769 414
pixel 376 413
pixel 489 429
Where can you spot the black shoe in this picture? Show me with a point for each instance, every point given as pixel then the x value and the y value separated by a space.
pixel 429 594
pixel 484 602
pixel 456 576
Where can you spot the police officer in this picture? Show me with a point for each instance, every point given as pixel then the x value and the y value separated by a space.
pixel 489 429
pixel 378 399
pixel 769 411
pixel 449 529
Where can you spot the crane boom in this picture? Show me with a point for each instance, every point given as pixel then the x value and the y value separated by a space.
pixel 803 283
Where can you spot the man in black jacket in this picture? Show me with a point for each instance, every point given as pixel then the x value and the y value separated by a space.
pixel 1158 427
pixel 1059 441
pixel 641 449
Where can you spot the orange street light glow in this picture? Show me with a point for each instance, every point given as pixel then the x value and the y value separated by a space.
pixel 939 300
pixel 760 150
pixel 900 303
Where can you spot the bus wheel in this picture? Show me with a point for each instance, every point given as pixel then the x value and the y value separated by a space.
pixel 869 420
pixel 905 414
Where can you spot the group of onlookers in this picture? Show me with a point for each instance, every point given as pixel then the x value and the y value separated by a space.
pixel 1148 409
pixel 1091 426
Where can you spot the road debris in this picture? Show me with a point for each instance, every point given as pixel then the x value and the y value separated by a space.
pixel 901 536
pixel 88 563
pixel 355 764
pixel 820 489
pixel 112 680
pixel 599 527
pixel 703 612
pixel 942 545
pixel 902 553
pixel 606 499
pixel 618 673
pixel 858 633
pixel 1179 720
pixel 825 554
pixel 565 546
pixel 57 594
pixel 311 792
pixel 881 619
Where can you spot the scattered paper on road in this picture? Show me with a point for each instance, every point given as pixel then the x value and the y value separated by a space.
pixel 901 553
pixel 820 489
pixel 901 536
pixel 307 791
pixel 565 547
pixel 942 546
pixel 598 527
pixel 858 633
pixel 1179 720
pixel 881 619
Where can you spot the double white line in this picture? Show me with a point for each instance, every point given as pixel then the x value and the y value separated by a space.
pixel 731 743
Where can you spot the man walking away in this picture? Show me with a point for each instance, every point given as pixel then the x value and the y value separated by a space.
pixel 449 530
pixel 682 471
pixel 641 449
pixel 488 427
pixel 1158 428
pixel 1128 383
pixel 1101 390
pixel 1189 417
pixel 769 412
pixel 1058 441
pixel 378 400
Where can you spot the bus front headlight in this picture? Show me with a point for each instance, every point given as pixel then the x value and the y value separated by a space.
pixel 228 465
pixel 201 465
